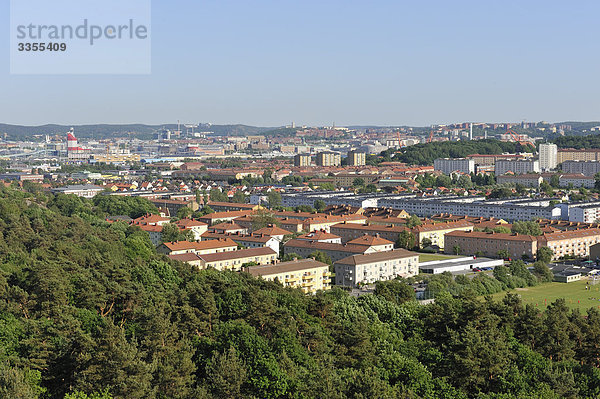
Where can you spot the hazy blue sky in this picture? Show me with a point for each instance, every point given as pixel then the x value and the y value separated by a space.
pixel 353 62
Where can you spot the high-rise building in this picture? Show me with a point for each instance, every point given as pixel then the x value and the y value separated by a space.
pixel 302 160
pixel 329 158
pixel 450 165
pixel 548 156
pixel 516 167
pixel 356 158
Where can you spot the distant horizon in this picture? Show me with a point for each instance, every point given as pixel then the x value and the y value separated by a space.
pixel 298 125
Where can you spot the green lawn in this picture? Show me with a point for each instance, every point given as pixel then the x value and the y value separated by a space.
pixel 430 257
pixel 575 294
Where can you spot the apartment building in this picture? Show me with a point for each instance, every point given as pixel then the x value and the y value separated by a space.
pixel 234 260
pixel 490 244
pixel 357 158
pixel 328 158
pixel 80 190
pixel 345 179
pixel 230 227
pixel 232 206
pixel 302 160
pixel 334 251
pixel 527 179
pixel 173 205
pixel 196 227
pixel 576 181
pixel 571 243
pixel 374 241
pixel 214 217
pixel 516 166
pixel 352 231
pixel 490 159
pixel 548 153
pixel 570 154
pixel 509 209
pixel 248 241
pixel 583 213
pixel 320 236
pixel 325 222
pixel 200 248
pixel 272 231
pixel 307 274
pixel 154 232
pixel 431 231
pixel 586 168
pixel 435 232
pixel 369 268
pixel 450 165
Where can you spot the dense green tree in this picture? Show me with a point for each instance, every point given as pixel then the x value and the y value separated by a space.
pixel 501 192
pixel 546 188
pixel 319 205
pixel 464 181
pixel 406 240
pixel 262 218
pixel 218 195
pixel 184 212
pixel 544 254
pixel 321 256
pixel 542 272
pixel 274 198
pixel 239 197
pixel 529 228
pixel 226 374
pixel 170 232
pixel 113 205
pixel 358 182
pixel 305 208
pixel 425 154
pixel 326 186
pixel 413 221
pixel 396 291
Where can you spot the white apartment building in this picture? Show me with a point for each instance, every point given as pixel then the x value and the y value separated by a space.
pixel 517 167
pixel 577 181
pixel 585 214
pixel 548 154
pixel 378 266
pixel 450 165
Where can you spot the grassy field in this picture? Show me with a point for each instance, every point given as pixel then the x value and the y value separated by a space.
pixel 430 257
pixel 574 293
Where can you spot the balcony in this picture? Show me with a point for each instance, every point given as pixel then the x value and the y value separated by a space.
pixel 309 277
pixel 292 279
pixel 308 284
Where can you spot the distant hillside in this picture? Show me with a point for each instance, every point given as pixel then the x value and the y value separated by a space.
pixel 18 132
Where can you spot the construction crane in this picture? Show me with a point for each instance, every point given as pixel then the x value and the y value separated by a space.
pixel 399 141
pixel 516 139
pixel 430 138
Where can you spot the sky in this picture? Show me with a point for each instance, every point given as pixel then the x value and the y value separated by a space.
pixel 348 62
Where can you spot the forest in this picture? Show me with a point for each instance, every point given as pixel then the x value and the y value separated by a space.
pixel 578 142
pixel 425 154
pixel 89 310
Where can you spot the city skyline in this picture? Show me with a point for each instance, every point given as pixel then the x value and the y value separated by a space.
pixel 384 64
